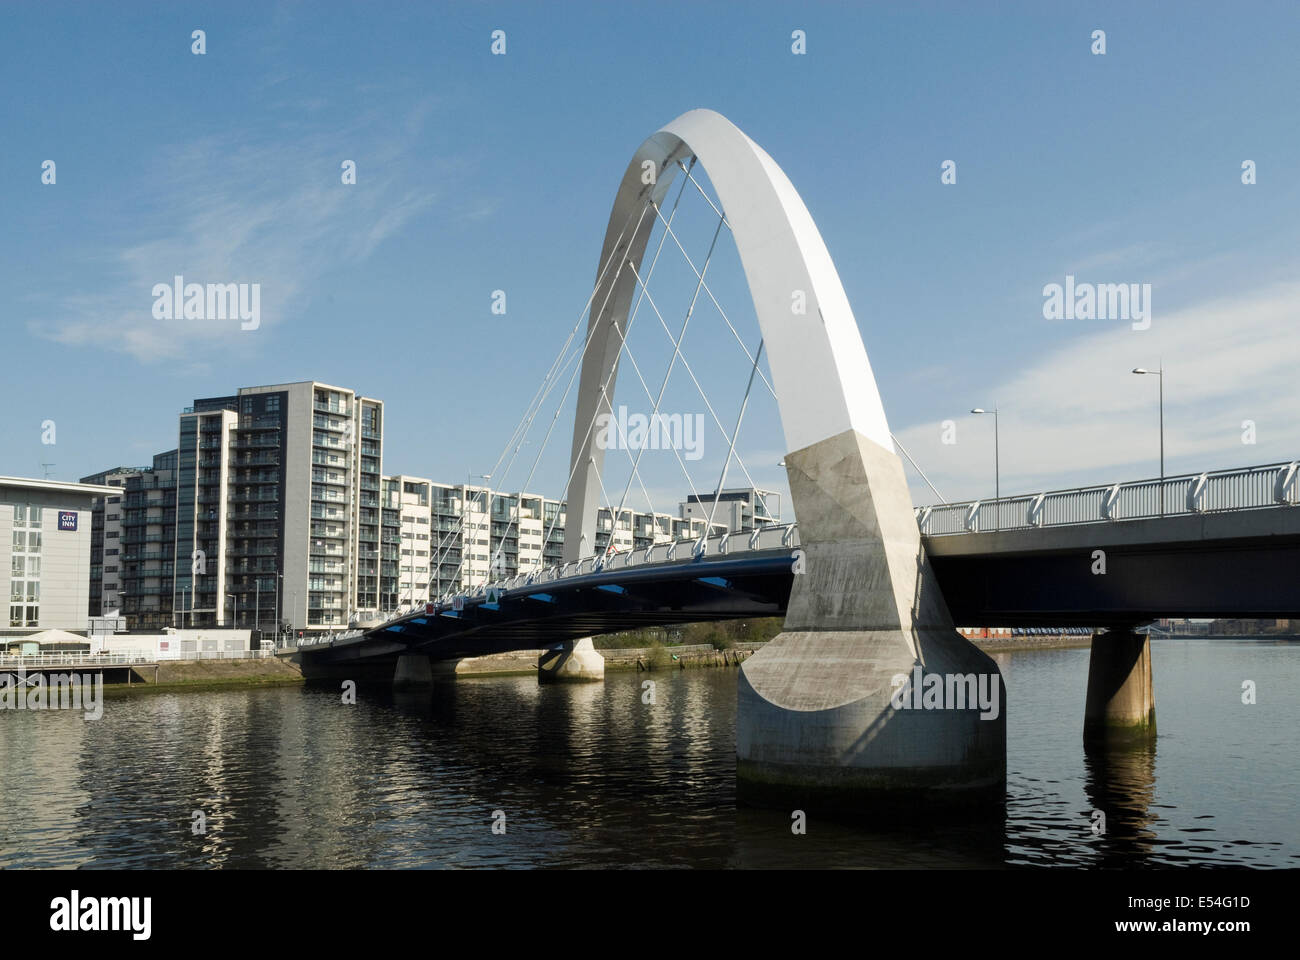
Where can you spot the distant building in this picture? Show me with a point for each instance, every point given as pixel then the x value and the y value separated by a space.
pixel 273 509
pixel 278 508
pixel 405 555
pixel 106 541
pixel 45 536
pixel 738 508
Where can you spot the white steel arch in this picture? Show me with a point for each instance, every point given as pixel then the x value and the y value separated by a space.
pixel 820 373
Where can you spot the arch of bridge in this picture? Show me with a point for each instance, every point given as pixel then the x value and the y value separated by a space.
pixel 820 372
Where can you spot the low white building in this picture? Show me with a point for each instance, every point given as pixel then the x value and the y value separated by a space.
pixel 45 528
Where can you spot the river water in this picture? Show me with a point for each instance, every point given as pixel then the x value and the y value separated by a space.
pixel 591 775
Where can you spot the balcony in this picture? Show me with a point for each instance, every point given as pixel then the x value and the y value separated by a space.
pixel 253 441
pixel 250 497
pixel 254 513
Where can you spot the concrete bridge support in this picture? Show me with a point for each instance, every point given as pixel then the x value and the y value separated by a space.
pixel 1121 704
pixel 827 711
pixel 573 661
pixel 412 670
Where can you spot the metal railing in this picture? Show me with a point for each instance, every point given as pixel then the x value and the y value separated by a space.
pixel 1215 491
pixel 17 661
pixel 128 658
pixel 717 546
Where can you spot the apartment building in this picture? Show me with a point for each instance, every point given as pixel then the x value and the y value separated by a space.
pixel 106 541
pixel 301 480
pixel 407 533
pixel 478 534
pixel 738 508
pixel 133 543
pixel 148 547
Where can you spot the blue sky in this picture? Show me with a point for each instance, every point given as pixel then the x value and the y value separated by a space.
pixel 478 172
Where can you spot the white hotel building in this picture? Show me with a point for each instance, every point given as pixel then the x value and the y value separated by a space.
pixel 45 529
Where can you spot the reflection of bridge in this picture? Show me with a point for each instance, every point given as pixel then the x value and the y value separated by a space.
pixel 866 599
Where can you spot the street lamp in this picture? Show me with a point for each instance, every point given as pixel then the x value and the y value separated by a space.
pixel 997 466
pixel 1160 372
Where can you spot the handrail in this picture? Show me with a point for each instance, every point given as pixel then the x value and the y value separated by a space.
pixel 768 537
pixel 1213 491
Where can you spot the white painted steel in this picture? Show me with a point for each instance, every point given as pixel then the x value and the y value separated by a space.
pixel 820 373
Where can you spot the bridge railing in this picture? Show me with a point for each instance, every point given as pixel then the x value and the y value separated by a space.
pixel 1246 488
pixel 769 537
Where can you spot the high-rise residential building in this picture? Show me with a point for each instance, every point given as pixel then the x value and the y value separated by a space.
pixel 45 534
pixel 737 509
pixel 149 545
pixel 106 562
pixel 478 534
pixel 278 508
pixel 133 543
pixel 205 501
pixel 406 544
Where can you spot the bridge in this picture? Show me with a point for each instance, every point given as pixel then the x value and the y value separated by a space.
pixel 868 585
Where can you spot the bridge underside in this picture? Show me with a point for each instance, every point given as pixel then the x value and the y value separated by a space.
pixel 1170 567
pixel 1229 565
pixel 542 615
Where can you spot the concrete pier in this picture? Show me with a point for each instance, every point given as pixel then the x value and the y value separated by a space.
pixel 1121 704
pixel 574 661
pixel 412 670
pixel 817 719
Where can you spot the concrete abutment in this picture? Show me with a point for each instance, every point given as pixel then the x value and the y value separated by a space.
pixel 830 711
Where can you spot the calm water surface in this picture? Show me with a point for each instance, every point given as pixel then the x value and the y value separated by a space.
pixel 590 776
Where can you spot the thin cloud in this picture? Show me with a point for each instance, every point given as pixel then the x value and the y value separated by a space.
pixel 253 211
pixel 1080 416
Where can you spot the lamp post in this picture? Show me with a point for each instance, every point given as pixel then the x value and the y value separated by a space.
pixel 1160 373
pixel 997 464
pixel 279 614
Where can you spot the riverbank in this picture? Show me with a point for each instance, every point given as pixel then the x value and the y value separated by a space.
pixel 279 671
pixel 1063 641
pixel 680 657
pixel 214 675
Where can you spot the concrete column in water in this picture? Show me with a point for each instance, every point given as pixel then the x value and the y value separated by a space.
pixel 821 714
pixel 571 662
pixel 1121 704
pixel 412 670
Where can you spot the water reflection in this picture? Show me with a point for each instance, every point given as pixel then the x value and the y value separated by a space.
pixel 1120 782
pixel 604 774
